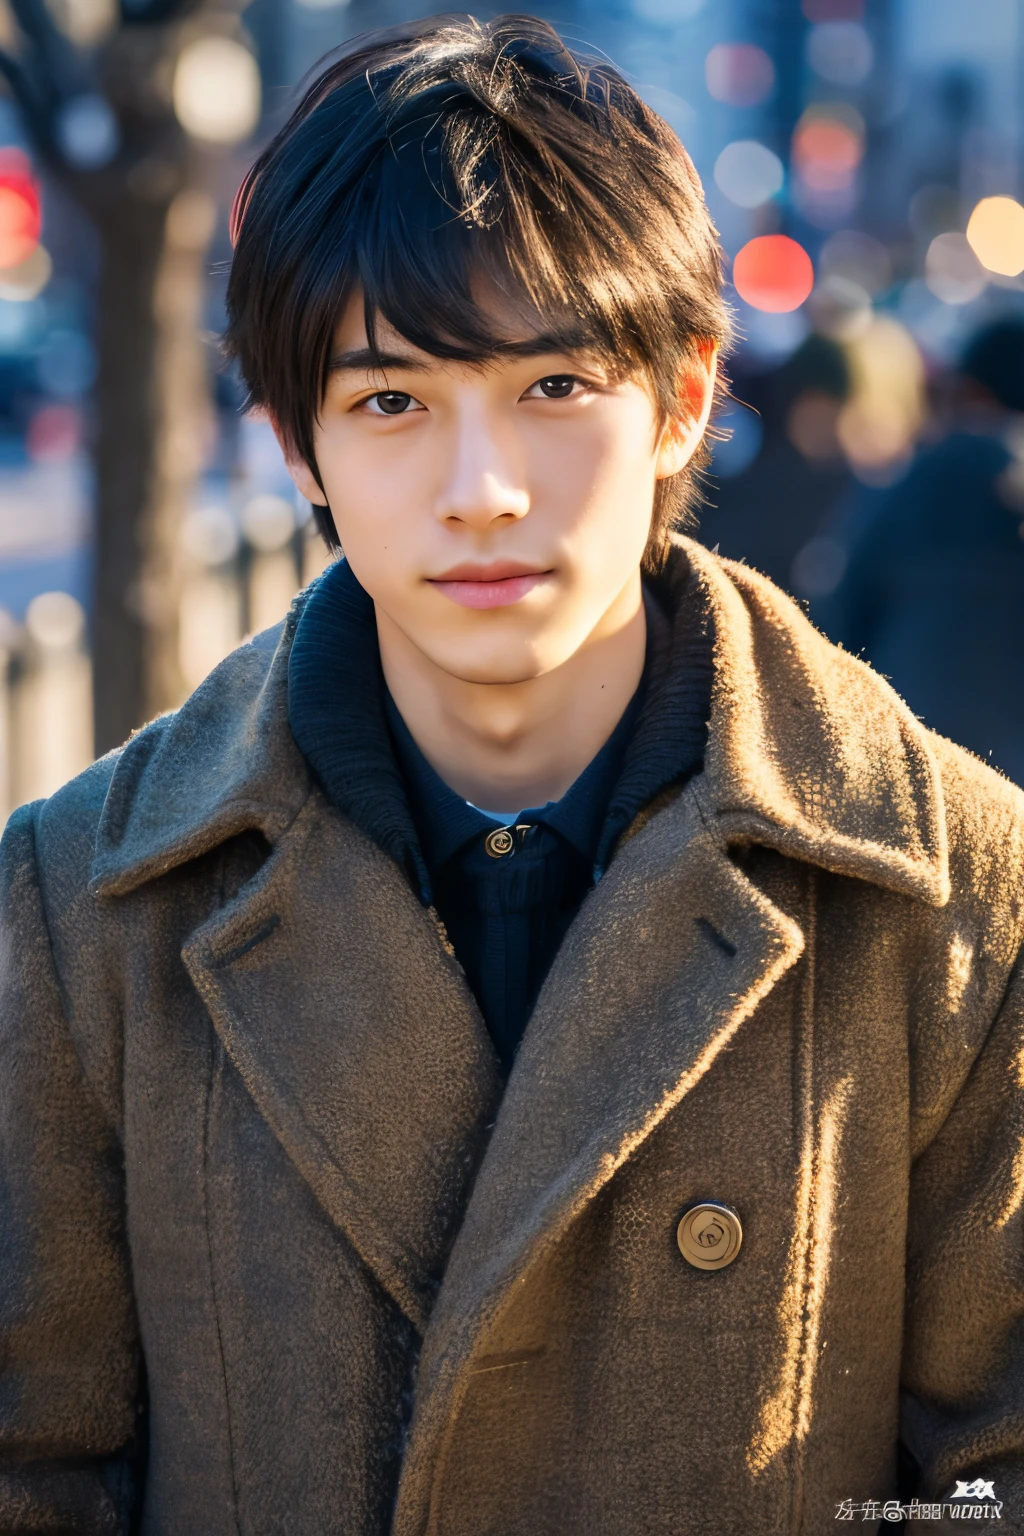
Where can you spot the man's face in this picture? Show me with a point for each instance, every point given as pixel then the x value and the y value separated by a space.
pixel 496 515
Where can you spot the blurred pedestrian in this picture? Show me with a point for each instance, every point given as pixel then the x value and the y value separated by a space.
pixel 933 588
pixel 765 512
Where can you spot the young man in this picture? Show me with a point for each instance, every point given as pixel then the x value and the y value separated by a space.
pixel 534 1045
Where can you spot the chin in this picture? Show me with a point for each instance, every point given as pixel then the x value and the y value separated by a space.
pixel 502 676
pixel 502 668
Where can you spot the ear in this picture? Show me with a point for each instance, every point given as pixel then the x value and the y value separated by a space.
pixel 682 433
pixel 302 475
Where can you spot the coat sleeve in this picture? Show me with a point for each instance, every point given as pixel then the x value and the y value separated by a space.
pixel 963 1364
pixel 69 1358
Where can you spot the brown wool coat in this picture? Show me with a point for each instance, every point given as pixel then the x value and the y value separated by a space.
pixel 245 1093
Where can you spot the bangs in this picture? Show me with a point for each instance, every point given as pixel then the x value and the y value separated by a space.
pixel 469 253
pixel 466 293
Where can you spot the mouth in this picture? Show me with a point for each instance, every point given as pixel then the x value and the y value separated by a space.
pixel 489 586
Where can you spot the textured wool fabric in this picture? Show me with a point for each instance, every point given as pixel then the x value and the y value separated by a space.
pixel 279 1258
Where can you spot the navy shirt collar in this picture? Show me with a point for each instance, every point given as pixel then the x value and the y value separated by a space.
pixel 446 822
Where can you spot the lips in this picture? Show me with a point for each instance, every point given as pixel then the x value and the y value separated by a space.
pixel 489 586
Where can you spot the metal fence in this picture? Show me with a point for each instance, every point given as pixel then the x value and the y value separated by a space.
pixel 238 575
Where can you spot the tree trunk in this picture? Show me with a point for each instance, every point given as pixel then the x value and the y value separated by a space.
pixel 132 243
pixel 185 431
pixel 153 411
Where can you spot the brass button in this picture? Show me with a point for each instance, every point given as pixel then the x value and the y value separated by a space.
pixel 499 842
pixel 709 1235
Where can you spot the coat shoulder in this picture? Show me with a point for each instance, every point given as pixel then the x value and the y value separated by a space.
pixel 59 833
pixel 180 753
pixel 879 773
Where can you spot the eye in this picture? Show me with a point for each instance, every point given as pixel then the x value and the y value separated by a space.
pixel 557 386
pixel 391 402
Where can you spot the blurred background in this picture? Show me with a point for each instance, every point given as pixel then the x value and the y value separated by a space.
pixel 863 162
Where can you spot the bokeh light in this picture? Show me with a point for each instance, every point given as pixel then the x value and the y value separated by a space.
pixel 54 434
pixel 27 280
pixel 739 74
pixel 19 226
pixel 88 131
pixel 55 620
pixel 209 535
pixel 21 213
pixel 828 146
pixel 952 271
pixel 840 52
pixel 819 567
pixel 739 443
pixel 769 338
pixel 773 273
pixel 879 424
pixel 216 90
pixel 995 234
pixel 86 22
pixel 749 173
pixel 268 522
pixel 66 363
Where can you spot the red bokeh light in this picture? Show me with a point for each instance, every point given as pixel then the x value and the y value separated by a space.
pixel 739 74
pixel 773 273
pixel 826 153
pixel 20 208
pixel 833 10
pixel 54 433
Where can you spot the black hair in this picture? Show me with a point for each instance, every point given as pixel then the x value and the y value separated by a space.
pixel 428 155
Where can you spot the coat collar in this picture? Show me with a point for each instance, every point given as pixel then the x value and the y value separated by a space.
pixel 809 751
pixel 223 764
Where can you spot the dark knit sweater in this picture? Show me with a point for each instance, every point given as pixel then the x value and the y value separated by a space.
pixel 506 916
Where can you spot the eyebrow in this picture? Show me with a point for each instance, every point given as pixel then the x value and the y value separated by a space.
pixel 365 360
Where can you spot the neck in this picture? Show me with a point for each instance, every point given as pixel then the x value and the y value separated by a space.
pixel 510 745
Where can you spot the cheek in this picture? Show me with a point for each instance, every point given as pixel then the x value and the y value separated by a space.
pixel 600 477
pixel 369 487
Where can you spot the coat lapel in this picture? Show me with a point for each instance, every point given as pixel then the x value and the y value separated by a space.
pixel 668 956
pixel 359 1041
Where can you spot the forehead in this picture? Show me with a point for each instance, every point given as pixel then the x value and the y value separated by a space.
pixel 517 334
pixel 350 334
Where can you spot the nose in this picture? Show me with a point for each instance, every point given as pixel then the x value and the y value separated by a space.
pixel 483 483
